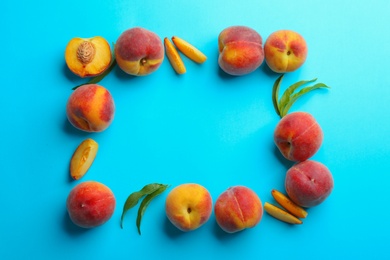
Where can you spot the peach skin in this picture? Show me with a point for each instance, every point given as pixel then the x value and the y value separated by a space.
pixel 298 136
pixel 309 183
pixel 238 208
pixel 188 206
pixel 240 50
pixel 285 51
pixel 139 52
pixel 90 204
pixel 90 108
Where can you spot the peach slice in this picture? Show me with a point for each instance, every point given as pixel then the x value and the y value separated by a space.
pixel 189 50
pixel 88 57
pixel 174 57
pixel 288 204
pixel 281 214
pixel 83 158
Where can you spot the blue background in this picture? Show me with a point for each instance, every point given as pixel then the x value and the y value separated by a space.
pixel 203 127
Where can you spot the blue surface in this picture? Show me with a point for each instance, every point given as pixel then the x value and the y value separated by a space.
pixel 203 127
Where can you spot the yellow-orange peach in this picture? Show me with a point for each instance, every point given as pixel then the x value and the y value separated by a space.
pixel 238 208
pixel 88 57
pixel 285 51
pixel 188 206
pixel 240 50
pixel 139 52
pixel 90 204
pixel 90 108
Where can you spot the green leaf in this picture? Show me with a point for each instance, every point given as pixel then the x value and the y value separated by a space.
pixel 98 78
pixel 285 99
pixel 134 197
pixel 145 203
pixel 295 96
pixel 275 94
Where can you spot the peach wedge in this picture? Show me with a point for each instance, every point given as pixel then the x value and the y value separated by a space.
pixel 288 204
pixel 174 57
pixel 83 158
pixel 189 50
pixel 281 214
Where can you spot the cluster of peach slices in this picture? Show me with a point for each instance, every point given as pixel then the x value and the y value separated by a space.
pixel 186 48
pixel 292 211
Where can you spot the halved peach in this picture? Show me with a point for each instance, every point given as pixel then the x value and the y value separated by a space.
pixel 88 57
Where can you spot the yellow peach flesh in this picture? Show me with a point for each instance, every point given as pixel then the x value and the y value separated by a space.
pixel 97 64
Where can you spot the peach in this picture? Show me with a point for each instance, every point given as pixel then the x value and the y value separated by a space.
pixel 90 108
pixel 240 50
pixel 298 136
pixel 308 183
pixel 139 52
pixel 188 206
pixel 285 51
pixel 90 204
pixel 238 208
pixel 88 57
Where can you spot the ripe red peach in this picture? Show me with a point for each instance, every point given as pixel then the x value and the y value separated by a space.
pixel 298 136
pixel 238 208
pixel 139 52
pixel 308 183
pixel 240 50
pixel 188 206
pixel 90 108
pixel 285 51
pixel 90 204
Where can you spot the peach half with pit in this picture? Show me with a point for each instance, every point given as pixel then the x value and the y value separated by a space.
pixel 90 108
pixel 139 52
pixel 88 57
pixel 238 208
pixel 240 50
pixel 90 204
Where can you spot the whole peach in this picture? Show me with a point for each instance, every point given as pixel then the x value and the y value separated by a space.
pixel 238 208
pixel 298 136
pixel 308 183
pixel 285 51
pixel 240 50
pixel 90 204
pixel 139 52
pixel 90 108
pixel 188 206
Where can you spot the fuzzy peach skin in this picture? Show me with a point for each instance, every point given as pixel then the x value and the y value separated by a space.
pixel 238 208
pixel 139 52
pixel 308 183
pixel 240 50
pixel 188 206
pixel 90 108
pixel 90 204
pixel 298 136
pixel 285 51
